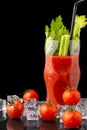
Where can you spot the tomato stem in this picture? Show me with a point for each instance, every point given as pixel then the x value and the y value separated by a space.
pixel 72 108
pixel 11 102
pixel 70 88
pixel 48 103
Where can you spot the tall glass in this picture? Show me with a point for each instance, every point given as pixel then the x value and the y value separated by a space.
pixel 61 72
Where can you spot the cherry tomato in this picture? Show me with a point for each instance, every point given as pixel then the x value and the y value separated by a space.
pixel 48 111
pixel 29 94
pixel 14 108
pixel 71 96
pixel 72 118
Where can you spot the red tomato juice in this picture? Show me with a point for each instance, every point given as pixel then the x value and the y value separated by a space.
pixel 60 72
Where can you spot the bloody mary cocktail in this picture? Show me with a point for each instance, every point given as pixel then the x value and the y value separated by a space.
pixel 62 68
pixel 59 73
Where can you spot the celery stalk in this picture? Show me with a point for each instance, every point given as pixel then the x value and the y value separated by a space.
pixel 62 41
pixel 80 22
pixel 64 45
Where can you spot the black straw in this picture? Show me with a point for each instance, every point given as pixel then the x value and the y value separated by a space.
pixel 73 17
pixel 73 21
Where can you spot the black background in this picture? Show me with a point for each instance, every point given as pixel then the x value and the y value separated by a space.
pixel 22 44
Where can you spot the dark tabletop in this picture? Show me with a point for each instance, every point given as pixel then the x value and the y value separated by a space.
pixel 22 124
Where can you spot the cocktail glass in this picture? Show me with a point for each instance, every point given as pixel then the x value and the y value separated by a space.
pixel 61 72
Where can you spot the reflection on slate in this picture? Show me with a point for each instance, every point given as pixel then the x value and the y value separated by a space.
pixel 23 124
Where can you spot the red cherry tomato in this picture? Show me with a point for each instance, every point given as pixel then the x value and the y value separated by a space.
pixel 48 111
pixel 72 118
pixel 71 96
pixel 14 108
pixel 29 94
